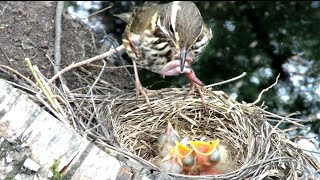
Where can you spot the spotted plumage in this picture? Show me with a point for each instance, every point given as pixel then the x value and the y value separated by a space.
pixel 155 33
pixel 166 39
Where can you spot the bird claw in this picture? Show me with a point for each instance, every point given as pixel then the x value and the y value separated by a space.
pixel 192 87
pixel 139 88
pixel 202 99
pixel 143 91
pixel 172 68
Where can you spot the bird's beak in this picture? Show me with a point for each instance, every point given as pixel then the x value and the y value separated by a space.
pixel 173 155
pixel 171 131
pixel 183 150
pixel 186 156
pixel 204 148
pixel 183 56
pixel 167 140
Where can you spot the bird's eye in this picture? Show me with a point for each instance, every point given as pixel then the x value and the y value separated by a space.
pixel 171 28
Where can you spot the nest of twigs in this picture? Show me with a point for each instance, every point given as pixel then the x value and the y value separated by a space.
pixel 257 148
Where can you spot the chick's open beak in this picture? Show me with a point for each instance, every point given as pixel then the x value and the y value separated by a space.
pixel 172 163
pixel 183 150
pixel 172 154
pixel 187 157
pixel 204 150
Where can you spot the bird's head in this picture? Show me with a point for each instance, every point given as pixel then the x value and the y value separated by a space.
pixel 207 152
pixel 167 140
pixel 181 21
pixel 185 154
pixel 170 135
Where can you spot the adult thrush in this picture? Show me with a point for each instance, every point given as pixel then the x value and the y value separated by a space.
pixel 166 39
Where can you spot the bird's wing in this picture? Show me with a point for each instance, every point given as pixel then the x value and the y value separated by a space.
pixel 124 16
pixel 142 17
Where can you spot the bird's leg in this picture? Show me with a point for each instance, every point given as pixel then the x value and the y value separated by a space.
pixel 172 68
pixel 202 97
pixel 196 83
pixel 139 88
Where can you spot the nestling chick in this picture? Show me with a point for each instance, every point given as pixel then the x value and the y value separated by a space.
pixel 212 158
pixel 167 141
pixel 223 163
pixel 172 162
pixel 186 156
pixel 180 157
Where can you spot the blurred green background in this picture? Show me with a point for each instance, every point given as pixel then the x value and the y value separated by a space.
pixel 263 39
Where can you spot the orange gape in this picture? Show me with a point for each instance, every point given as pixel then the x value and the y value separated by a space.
pixel 205 156
pixel 186 156
pixel 200 158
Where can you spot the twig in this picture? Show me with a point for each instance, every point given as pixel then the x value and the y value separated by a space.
pixel 94 84
pixel 57 109
pixel 4 8
pixel 274 128
pixel 95 114
pixel 42 87
pixel 19 74
pixel 101 56
pixel 22 87
pixel 114 67
pixel 96 12
pixel 227 81
pixel 100 80
pixel 260 95
pixel 59 116
pixel 5 54
pixel 54 99
pixel 290 120
pixel 57 45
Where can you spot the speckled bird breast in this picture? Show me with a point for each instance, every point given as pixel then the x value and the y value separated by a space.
pixel 153 50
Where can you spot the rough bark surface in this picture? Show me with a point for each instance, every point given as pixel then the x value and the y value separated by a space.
pixel 33 141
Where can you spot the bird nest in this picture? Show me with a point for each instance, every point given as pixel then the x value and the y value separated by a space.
pixel 119 120
pixel 258 149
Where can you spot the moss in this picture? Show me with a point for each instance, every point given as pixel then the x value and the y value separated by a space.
pixel 8 178
pixel 56 173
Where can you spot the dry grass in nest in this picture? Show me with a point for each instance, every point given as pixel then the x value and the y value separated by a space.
pixel 258 148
